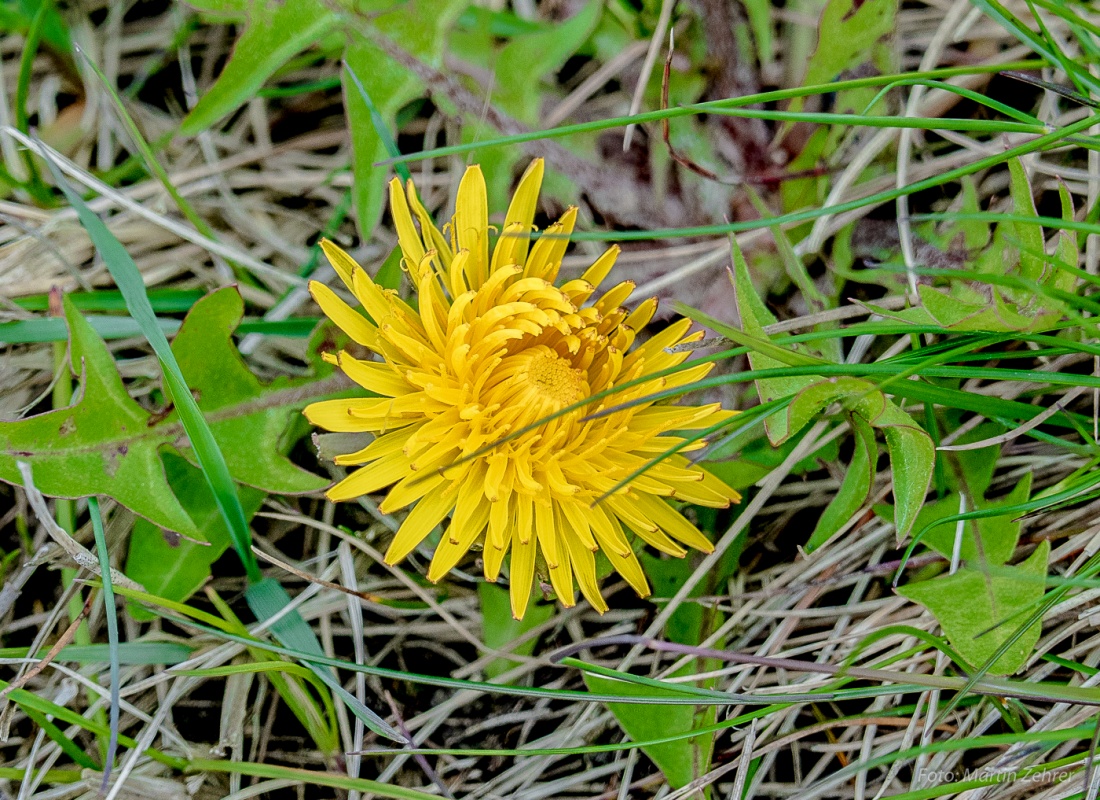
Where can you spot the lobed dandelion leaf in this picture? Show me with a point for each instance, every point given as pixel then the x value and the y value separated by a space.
pixel 105 443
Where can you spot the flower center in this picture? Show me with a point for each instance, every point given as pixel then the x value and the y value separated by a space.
pixel 555 379
pixel 532 384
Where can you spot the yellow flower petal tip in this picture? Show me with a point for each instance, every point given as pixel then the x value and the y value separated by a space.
pixel 493 353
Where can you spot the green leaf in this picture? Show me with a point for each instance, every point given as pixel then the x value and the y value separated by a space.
pixel 499 627
pixel 998 535
pixel 854 490
pixel 815 398
pixel 681 761
pixel 1030 235
pixel 265 597
pixel 142 653
pixel 912 460
pixel 527 58
pixel 754 317
pixel 847 36
pixel 276 31
pixel 977 610
pixel 98 445
pixel 107 444
pixel 242 411
pixel 418 27
pixel 1068 249
pixel 389 274
pixel 172 567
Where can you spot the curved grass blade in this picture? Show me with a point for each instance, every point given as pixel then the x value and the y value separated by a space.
pixel 111 615
pixel 710 107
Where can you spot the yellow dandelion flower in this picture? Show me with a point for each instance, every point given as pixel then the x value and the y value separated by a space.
pixel 492 348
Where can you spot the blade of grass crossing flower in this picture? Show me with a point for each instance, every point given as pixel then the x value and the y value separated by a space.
pixel 264 602
pixel 111 615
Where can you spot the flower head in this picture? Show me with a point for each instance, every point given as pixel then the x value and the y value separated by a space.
pixel 490 353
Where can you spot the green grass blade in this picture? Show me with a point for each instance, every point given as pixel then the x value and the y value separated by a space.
pixel 710 107
pixel 380 126
pixel 268 599
pixel 111 615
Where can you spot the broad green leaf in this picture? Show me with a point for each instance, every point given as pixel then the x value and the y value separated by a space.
pixel 854 490
pixel 979 611
pixel 266 598
pixel 1067 249
pixel 847 36
pixel 912 459
pixel 418 27
pixel 98 445
pixel 681 761
pixel 977 466
pixel 528 58
pixel 107 444
pixel 276 31
pixel 16 16
pixel 815 398
pixel 998 535
pixel 249 418
pixel 389 274
pixel 172 567
pixel 1029 234
pixel 754 317
pixel 499 627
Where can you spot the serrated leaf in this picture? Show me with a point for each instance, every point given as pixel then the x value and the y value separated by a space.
pixel 100 445
pixel 276 32
pixel 169 566
pixel 980 611
pixel 107 444
pixel 242 411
